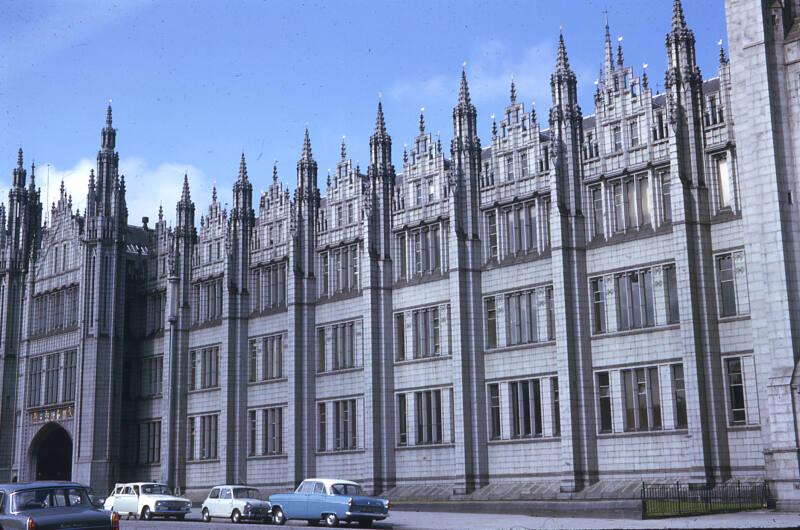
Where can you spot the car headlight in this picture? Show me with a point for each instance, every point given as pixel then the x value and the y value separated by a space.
pixel 387 504
pixel 159 504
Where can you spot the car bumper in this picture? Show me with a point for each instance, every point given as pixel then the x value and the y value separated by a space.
pixel 171 511
pixel 355 516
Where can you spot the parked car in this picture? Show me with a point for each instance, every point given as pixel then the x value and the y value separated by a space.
pixel 147 500
pixel 51 505
pixel 237 503
pixel 330 500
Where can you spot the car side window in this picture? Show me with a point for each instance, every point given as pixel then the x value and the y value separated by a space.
pixel 2 501
pixel 319 488
pixel 225 494
pixel 306 487
pixel 128 491
pixel 214 494
pixel 136 490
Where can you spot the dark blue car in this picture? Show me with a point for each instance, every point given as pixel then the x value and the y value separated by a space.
pixel 51 505
pixel 329 500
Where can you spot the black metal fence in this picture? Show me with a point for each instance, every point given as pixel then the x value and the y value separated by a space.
pixel 668 500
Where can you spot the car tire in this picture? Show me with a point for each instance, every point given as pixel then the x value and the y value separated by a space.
pixel 278 517
pixel 147 515
pixel 331 520
pixel 236 516
pixel 206 516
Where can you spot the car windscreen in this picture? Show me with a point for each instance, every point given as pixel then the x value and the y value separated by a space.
pixel 346 489
pixel 246 493
pixel 155 489
pixel 43 498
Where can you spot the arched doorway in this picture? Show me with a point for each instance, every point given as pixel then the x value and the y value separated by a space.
pixel 51 452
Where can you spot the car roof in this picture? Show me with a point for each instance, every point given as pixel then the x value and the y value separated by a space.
pixel 19 486
pixel 329 481
pixel 234 486
pixel 139 483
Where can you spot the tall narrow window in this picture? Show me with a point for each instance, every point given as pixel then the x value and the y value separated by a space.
pixel 531 228
pixel 51 378
pixel 70 372
pixel 619 208
pixel 556 402
pixel 604 401
pixel 634 132
pixel 253 364
pixel 402 256
pixel 617 138
pixel 400 336
pixel 491 225
pixel 428 408
pixel 598 305
pixel 509 168
pixel 251 425
pixel 671 292
pixel 597 212
pixel 679 396
pixel 726 285
pixel 523 164
pixel 322 428
pixel 491 323
pixel 644 202
pixel 402 420
pixel 321 350
pixel 551 320
pixel 736 401
pixel 325 266
pixel 723 182
pixel 630 203
pixel 494 411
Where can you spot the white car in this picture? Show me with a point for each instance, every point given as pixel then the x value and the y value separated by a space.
pixel 237 503
pixel 147 500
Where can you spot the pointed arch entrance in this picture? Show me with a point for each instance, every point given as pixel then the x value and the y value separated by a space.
pixel 51 453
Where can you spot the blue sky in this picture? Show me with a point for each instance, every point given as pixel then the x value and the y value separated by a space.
pixel 195 83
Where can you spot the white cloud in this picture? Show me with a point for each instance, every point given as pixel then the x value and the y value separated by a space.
pixel 490 69
pixel 147 186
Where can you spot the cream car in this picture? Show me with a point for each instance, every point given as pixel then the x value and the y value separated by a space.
pixel 147 500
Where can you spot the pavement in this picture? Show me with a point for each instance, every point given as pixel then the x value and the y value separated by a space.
pixel 484 521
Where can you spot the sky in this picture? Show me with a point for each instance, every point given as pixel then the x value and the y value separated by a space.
pixel 194 84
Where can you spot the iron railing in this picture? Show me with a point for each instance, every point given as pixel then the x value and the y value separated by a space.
pixel 668 500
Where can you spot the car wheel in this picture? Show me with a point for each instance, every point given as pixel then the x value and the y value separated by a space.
pixel 278 517
pixel 365 523
pixel 236 516
pixel 331 520
pixel 146 514
pixel 206 516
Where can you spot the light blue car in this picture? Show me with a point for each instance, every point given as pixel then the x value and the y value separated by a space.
pixel 329 500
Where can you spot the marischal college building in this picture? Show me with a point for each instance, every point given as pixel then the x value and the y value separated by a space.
pixel 587 302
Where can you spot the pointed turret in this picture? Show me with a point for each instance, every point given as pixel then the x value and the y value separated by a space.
pixel 20 174
pixel 562 61
pixel 678 20
pixel 380 122
pixel 306 154
pixel 513 92
pixel 620 60
pixel 380 143
pixel 275 172
pixel 108 134
pixel 242 168
pixel 463 92
pixel 185 195
pixel 608 55
pixel 307 171
pixel 422 121
pixel 344 150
